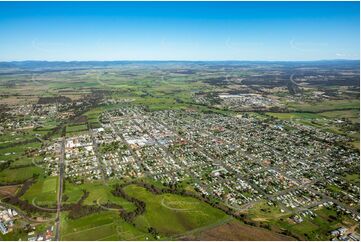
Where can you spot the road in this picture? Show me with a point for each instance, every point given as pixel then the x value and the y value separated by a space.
pixel 116 130
pixel 291 79
pixel 98 157
pixel 60 189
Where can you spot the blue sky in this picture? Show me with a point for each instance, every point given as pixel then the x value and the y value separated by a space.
pixel 179 30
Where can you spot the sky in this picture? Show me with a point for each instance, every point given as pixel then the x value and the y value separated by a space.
pixel 68 31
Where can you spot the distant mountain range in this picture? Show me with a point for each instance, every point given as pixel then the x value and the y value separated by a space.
pixel 76 65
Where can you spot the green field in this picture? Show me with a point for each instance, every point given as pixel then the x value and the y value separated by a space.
pixel 173 214
pixel 76 128
pixel 100 226
pixel 43 192
pixel 353 178
pixel 287 116
pixel 16 151
pixel 352 115
pixel 19 174
pixel 24 161
pixel 325 105
pixel 98 194
pixel 169 214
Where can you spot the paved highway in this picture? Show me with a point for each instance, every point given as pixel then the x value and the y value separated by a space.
pixel 60 189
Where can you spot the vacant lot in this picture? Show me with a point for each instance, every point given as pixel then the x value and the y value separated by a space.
pixel 8 190
pixel 235 230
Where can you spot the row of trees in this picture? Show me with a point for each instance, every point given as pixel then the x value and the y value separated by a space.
pixel 174 189
pixel 78 210
pixel 27 184
pixel 140 205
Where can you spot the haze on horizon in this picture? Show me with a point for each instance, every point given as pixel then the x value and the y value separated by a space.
pixel 179 31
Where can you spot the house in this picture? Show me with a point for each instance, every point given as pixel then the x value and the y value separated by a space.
pixel 3 228
pixel 335 232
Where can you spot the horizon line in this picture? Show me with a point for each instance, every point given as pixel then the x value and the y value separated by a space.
pixel 170 60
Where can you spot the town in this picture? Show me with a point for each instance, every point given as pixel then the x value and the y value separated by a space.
pixel 270 161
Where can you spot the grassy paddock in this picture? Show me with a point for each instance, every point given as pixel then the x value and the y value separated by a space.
pixel 44 191
pixel 325 105
pixel 98 194
pixel 182 213
pixel 19 174
pixel 100 226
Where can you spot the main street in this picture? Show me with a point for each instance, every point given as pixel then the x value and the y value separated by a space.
pixel 60 189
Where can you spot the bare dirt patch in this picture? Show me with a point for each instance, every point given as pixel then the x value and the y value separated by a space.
pixel 8 190
pixel 18 100
pixel 235 230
